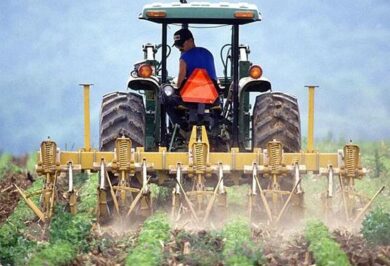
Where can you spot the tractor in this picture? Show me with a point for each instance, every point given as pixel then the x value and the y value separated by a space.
pixel 140 113
pixel 228 141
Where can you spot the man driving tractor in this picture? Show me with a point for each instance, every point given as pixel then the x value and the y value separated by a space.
pixel 192 58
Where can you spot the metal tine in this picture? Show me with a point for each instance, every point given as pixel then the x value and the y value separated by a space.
pixel 255 177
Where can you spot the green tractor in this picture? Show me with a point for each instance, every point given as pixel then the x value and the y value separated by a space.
pixel 230 121
pixel 141 115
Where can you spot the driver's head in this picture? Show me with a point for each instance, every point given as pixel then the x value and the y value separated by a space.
pixel 183 39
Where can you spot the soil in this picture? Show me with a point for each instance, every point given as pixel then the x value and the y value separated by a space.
pixel 9 196
pixel 358 250
pixel 107 248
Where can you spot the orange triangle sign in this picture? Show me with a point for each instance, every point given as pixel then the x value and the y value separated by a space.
pixel 199 88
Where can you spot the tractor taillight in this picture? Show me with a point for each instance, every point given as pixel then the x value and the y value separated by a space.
pixel 244 14
pixel 255 71
pixel 145 71
pixel 156 14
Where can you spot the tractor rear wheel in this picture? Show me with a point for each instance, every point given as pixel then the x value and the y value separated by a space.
pixel 122 114
pixel 276 116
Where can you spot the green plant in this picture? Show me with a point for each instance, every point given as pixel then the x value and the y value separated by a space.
pixel 235 196
pixel 59 253
pixel 11 232
pixel 149 249
pixel 325 250
pixel 239 249
pixel 68 234
pixel 376 227
pixel 160 194
pixel 6 165
pixel 72 229
pixel 88 195
pixel 32 160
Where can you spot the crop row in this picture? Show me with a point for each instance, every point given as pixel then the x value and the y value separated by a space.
pixel 326 251
pixel 67 233
pixel 14 247
pixel 239 249
pixel 149 249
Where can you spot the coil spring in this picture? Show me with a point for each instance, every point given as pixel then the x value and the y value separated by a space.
pixel 351 153
pixel 123 152
pixel 199 157
pixel 275 154
pixel 48 155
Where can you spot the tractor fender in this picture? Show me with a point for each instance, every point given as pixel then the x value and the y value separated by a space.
pixel 138 83
pixel 249 84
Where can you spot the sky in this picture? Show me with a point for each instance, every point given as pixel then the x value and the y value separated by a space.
pixel 47 48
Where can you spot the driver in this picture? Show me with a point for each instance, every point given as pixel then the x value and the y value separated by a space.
pixel 192 57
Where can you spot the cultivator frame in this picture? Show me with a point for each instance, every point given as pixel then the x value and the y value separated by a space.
pixel 199 164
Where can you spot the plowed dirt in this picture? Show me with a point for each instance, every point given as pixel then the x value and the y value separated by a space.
pixel 9 196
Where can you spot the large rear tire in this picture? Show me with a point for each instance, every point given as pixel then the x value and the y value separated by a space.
pixel 276 116
pixel 122 114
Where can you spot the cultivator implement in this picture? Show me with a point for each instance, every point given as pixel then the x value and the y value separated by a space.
pixel 268 169
pixel 126 172
pixel 123 194
pixel 273 199
pixel 353 205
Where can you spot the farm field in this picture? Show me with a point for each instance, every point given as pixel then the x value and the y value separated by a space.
pixel 156 240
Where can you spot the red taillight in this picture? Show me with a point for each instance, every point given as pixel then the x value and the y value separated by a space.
pixel 145 71
pixel 244 14
pixel 255 71
pixel 199 88
pixel 156 14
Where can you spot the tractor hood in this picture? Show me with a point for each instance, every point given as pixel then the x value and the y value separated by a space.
pixel 201 12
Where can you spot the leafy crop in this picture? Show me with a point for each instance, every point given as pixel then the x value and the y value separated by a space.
pixel 160 194
pixel 31 162
pixel 235 196
pixel 59 253
pixel 325 250
pixel 72 229
pixel 88 194
pixel 238 247
pixel 376 227
pixel 68 234
pixel 12 243
pixel 149 249
pixel 6 165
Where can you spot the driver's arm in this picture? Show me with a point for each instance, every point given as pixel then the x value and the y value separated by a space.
pixel 182 73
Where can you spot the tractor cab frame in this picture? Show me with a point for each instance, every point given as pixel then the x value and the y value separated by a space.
pixel 235 86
